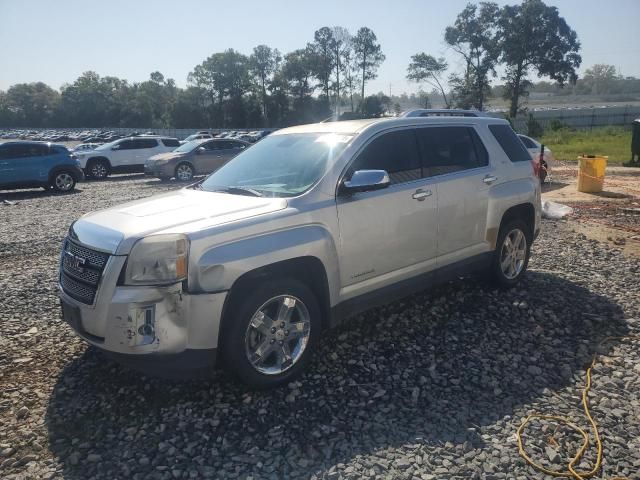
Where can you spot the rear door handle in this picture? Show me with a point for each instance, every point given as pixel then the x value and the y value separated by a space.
pixel 421 194
pixel 489 179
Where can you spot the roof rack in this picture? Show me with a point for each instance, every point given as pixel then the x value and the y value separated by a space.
pixel 442 112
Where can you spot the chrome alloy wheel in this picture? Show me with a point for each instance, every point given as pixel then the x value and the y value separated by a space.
pixel 277 335
pixel 513 253
pixel 64 182
pixel 184 172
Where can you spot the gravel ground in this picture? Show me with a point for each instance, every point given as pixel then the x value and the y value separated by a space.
pixel 431 387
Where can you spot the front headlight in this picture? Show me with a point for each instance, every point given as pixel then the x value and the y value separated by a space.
pixel 158 260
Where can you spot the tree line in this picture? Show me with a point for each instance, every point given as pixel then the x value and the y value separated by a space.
pixel 529 38
pixel 326 77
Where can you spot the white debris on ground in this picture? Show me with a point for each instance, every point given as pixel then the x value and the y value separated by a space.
pixel 555 211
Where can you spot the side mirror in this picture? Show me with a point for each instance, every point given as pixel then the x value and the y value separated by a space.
pixel 366 180
pixel 115 147
pixel 200 150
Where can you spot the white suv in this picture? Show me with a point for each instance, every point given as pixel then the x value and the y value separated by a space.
pixel 126 155
pixel 306 227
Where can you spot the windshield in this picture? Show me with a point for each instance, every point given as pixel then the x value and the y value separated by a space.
pixel 187 147
pixel 107 146
pixel 279 165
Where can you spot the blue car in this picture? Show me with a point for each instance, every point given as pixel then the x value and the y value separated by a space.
pixel 38 164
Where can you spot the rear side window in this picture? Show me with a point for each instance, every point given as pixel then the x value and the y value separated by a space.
pixel 510 143
pixel 170 142
pixel 146 143
pixel 450 149
pixel 396 152
pixel 527 142
pixel 126 145
pixel 211 145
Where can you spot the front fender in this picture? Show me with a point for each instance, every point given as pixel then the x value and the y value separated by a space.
pixel 219 267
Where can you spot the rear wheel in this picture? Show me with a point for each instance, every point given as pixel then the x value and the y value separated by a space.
pixel 63 181
pixel 270 334
pixel 511 256
pixel 184 172
pixel 98 169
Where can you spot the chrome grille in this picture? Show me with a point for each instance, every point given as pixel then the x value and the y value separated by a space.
pixel 81 270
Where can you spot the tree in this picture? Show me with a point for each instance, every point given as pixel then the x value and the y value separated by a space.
pixel 341 50
pixel 322 49
pixel 534 36
pixel 426 68
pixel 262 63
pixel 223 77
pixel 297 71
pixel 30 104
pixel 600 78
pixel 474 37
pixel 368 56
pixel 374 105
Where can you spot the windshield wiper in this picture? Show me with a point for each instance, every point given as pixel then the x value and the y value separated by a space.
pixel 239 191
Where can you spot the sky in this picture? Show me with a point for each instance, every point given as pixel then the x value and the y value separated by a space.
pixel 55 41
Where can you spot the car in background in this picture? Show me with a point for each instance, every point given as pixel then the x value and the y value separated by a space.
pixel 196 136
pixel 197 157
pixel 36 164
pixel 533 146
pixel 126 155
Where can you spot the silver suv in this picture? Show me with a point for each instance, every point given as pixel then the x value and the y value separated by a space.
pixel 307 227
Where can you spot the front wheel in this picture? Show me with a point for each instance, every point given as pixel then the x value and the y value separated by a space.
pixel 184 172
pixel 270 333
pixel 511 256
pixel 63 182
pixel 98 169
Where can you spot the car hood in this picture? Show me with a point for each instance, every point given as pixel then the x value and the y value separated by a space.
pixel 116 229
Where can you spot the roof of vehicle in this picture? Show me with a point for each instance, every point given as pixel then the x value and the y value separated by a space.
pixel 357 126
pixel 32 142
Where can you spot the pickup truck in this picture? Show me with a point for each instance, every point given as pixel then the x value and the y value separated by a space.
pixel 305 228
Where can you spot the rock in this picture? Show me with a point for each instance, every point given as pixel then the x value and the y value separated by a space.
pixel 94 458
pixel 22 412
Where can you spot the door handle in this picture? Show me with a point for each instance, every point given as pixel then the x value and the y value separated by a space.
pixel 421 194
pixel 489 179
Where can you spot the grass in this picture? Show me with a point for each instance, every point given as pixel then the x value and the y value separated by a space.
pixel 567 145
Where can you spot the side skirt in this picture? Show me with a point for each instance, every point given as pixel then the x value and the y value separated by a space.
pixel 404 288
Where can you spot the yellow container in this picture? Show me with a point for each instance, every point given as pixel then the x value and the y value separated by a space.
pixel 591 173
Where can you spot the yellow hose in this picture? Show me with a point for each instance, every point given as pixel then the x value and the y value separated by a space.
pixel 570 472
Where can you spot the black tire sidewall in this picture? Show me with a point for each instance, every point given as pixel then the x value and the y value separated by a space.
pixel 98 162
pixel 498 275
pixel 236 321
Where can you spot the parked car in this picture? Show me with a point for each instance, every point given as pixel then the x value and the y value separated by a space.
pixel 303 229
pixel 534 147
pixel 197 157
pixel 196 136
pixel 125 155
pixel 34 164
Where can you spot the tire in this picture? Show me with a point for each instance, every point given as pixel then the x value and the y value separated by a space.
pixel 508 273
pixel 98 169
pixel 63 181
pixel 184 172
pixel 282 319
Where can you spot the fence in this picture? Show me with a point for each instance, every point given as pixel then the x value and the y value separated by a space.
pixel 579 118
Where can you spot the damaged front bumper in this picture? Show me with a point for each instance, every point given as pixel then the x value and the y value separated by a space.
pixel 155 329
